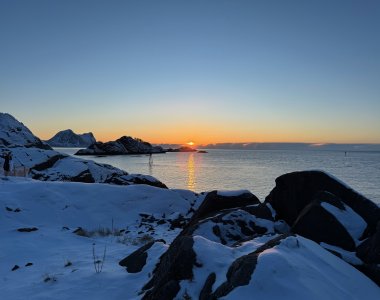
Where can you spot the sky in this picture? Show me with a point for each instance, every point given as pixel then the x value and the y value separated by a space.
pixel 203 71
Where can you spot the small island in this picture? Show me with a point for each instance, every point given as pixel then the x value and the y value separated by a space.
pixel 182 149
pixel 123 146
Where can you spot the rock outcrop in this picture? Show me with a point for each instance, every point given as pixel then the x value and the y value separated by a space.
pixel 122 146
pixel 67 138
pixel 323 209
pixel 233 242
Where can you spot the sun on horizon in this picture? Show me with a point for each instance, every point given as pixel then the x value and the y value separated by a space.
pixel 190 143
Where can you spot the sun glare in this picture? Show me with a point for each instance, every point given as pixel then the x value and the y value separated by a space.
pixel 190 143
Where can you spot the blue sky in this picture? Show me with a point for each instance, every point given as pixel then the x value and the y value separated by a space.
pixel 208 71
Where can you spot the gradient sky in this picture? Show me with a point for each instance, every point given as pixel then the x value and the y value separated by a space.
pixel 208 71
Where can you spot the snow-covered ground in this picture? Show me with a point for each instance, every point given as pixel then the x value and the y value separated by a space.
pixel 63 264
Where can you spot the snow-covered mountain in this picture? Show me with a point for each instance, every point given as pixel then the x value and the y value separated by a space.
pixel 68 138
pixel 14 133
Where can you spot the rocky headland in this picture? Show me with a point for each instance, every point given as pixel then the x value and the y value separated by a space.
pixel 122 146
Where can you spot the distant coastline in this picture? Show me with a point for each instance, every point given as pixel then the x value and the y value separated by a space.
pixel 290 146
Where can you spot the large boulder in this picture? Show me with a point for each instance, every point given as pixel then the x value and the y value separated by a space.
pixel 318 224
pixel 217 201
pixel 294 191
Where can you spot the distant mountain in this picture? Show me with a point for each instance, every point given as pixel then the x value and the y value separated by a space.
pixel 68 138
pixel 13 133
pixel 123 145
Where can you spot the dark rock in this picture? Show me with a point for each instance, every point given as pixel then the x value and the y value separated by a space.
pixel 48 163
pixel 261 211
pixel 8 209
pixel 207 287
pixel 370 270
pixel 369 250
pixel 182 149
pixel 29 264
pixel 27 229
pixel 122 146
pixel 15 268
pixel 141 180
pixel 84 176
pixel 214 203
pixel 137 260
pixel 175 264
pixel 316 223
pixel 294 191
pixel 241 270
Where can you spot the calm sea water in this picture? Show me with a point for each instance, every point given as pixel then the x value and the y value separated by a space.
pixel 254 170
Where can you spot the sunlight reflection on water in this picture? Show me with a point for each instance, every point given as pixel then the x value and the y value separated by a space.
pixel 191 173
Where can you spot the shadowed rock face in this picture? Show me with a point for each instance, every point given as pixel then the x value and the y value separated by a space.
pixel 294 191
pixel 175 265
pixel 214 203
pixel 369 250
pixel 316 223
pixel 135 262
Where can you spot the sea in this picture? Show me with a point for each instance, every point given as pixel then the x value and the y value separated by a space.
pixel 253 170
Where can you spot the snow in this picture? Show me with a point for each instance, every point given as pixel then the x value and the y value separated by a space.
pixel 217 258
pixel 56 209
pixel 231 228
pixel 347 256
pixel 354 223
pixel 13 132
pixel 273 212
pixel 301 269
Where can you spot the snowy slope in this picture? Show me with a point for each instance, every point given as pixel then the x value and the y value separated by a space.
pixel 14 133
pixel 57 209
pixel 50 165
